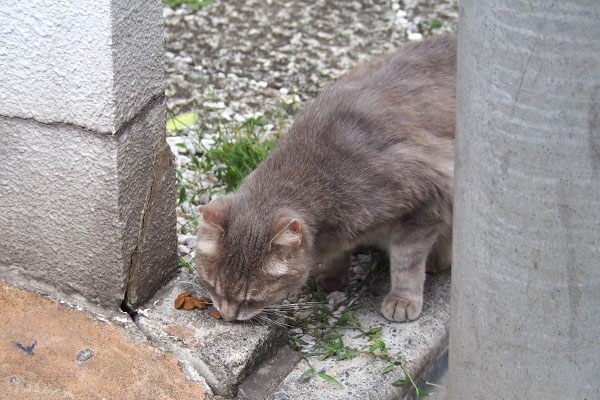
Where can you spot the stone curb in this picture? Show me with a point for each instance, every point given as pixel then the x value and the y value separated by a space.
pixel 251 362
pixel 222 353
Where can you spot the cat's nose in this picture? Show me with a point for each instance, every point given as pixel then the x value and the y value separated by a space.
pixel 228 311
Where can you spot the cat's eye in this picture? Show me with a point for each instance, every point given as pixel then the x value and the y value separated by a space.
pixel 251 304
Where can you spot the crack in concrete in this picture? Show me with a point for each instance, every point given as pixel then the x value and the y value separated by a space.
pixel 55 123
pixel 117 130
pixel 161 158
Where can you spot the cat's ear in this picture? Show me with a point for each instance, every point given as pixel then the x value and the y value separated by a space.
pixel 288 233
pixel 212 214
pixel 210 229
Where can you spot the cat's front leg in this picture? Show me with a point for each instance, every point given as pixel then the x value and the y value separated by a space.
pixel 408 252
pixel 405 301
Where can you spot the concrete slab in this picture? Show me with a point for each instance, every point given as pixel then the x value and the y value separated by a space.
pixel 59 214
pixel 49 350
pixel 223 353
pixel 147 204
pixel 268 376
pixel 247 361
pixel 419 345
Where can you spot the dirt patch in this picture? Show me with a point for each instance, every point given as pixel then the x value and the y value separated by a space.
pixel 48 350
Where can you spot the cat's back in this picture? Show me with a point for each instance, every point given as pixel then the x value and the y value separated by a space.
pixel 410 66
pixel 385 128
pixel 407 91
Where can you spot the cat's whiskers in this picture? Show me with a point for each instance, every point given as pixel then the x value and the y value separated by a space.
pixel 271 316
pixel 263 320
pixel 275 311
pixel 277 315
pixel 295 306
pixel 197 287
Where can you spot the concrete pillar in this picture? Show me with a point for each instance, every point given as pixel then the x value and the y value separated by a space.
pixel 87 192
pixel 525 309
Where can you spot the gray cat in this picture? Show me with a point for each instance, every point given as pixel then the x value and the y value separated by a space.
pixel 369 161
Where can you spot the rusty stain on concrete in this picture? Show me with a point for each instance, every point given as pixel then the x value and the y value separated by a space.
pixel 180 332
pixel 40 356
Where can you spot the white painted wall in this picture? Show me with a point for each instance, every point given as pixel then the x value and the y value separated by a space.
pixel 79 62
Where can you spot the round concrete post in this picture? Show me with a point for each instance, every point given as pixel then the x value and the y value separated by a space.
pixel 525 310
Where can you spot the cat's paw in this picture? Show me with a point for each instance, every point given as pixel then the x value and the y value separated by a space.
pixel 330 283
pixel 401 307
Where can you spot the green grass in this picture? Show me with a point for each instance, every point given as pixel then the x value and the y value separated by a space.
pixel 223 152
pixel 237 153
pixel 329 331
pixel 194 5
pixel 434 24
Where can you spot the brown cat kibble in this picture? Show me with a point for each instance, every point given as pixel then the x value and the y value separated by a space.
pixel 181 299
pixel 369 161
pixel 201 305
pixel 179 302
pixel 189 303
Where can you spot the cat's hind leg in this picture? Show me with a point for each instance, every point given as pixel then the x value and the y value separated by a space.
pixel 408 248
pixel 334 273
pixel 440 257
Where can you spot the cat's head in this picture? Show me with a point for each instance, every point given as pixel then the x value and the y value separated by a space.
pixel 248 259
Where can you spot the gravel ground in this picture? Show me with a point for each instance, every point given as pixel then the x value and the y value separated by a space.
pixel 256 51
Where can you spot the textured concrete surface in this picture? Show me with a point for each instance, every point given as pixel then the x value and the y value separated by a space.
pixel 86 215
pixel 223 353
pixel 51 351
pixel 268 376
pixel 59 214
pixel 527 202
pixel 147 204
pixel 94 66
pixel 419 344
pixel 137 56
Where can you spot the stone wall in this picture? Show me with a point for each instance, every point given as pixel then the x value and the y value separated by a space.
pixel 87 183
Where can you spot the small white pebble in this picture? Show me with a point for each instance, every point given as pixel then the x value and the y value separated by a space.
pixel 143 311
pixel 213 104
pixel 122 320
pixel 415 36
pixel 190 241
